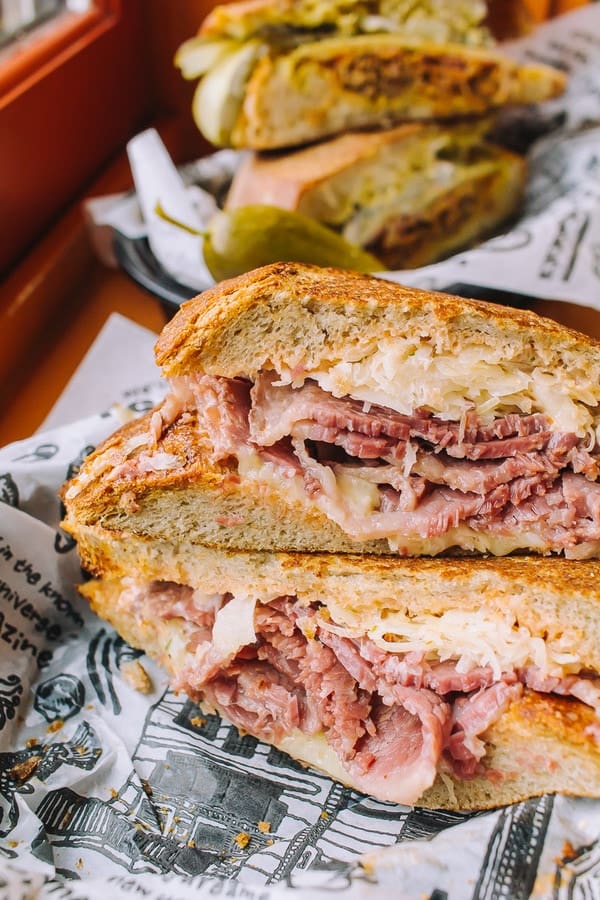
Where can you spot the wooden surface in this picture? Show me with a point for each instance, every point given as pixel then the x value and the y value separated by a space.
pixel 105 292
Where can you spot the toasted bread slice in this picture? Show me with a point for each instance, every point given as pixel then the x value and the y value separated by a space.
pixel 290 316
pixel 552 600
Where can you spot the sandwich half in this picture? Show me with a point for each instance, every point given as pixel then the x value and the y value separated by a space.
pixel 459 684
pixel 321 410
pixel 276 73
pixel 411 194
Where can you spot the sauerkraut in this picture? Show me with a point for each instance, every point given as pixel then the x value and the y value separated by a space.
pixel 404 376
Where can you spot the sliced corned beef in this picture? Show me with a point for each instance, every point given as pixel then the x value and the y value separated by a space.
pixel 512 475
pixel 393 719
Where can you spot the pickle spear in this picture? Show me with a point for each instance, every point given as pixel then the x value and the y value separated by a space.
pixel 247 237
pixel 242 239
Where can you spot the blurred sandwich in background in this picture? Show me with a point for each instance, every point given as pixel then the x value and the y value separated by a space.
pixel 411 194
pixel 276 73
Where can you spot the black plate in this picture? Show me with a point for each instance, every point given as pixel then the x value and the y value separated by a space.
pixel 138 261
pixel 492 295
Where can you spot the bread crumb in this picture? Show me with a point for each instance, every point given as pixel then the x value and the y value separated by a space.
pixel 146 787
pixel 324 815
pixel 136 676
pixel 79 863
pixel 265 827
pixel 191 844
pixel 242 839
pixel 568 853
pixel 114 793
pixel 31 742
pixel 197 721
pixel 55 726
pixel 13 844
pixel 22 771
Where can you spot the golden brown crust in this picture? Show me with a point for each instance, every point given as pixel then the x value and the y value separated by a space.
pixel 300 314
pixel 107 482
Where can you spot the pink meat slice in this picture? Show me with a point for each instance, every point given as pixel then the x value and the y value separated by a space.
pixel 472 716
pixel 399 761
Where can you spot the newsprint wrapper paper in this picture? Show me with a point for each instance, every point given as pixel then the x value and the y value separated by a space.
pixel 551 252
pixel 111 791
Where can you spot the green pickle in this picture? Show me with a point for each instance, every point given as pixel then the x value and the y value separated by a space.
pixel 245 238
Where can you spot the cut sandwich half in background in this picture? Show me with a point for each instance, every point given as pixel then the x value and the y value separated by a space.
pixel 278 74
pixel 411 195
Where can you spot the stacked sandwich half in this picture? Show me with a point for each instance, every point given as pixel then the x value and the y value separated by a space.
pixel 400 96
pixel 311 533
